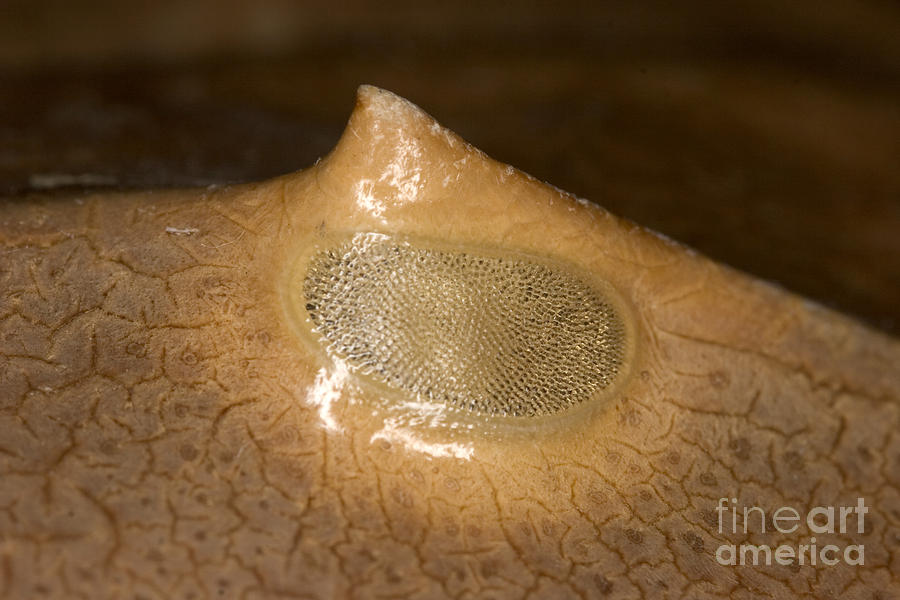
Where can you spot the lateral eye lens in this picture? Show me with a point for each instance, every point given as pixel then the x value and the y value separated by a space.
pixel 479 332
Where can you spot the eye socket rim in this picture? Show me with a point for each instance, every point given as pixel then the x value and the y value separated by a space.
pixel 398 404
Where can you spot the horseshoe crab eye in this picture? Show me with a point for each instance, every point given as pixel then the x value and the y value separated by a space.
pixel 480 331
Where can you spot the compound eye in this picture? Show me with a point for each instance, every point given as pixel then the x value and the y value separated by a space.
pixel 481 331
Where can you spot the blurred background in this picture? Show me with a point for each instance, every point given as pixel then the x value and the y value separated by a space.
pixel 764 133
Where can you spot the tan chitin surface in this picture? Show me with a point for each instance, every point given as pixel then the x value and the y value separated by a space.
pixel 167 430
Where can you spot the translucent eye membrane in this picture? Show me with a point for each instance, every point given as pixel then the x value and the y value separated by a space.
pixel 482 332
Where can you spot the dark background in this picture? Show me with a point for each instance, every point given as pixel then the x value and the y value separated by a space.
pixel 765 134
